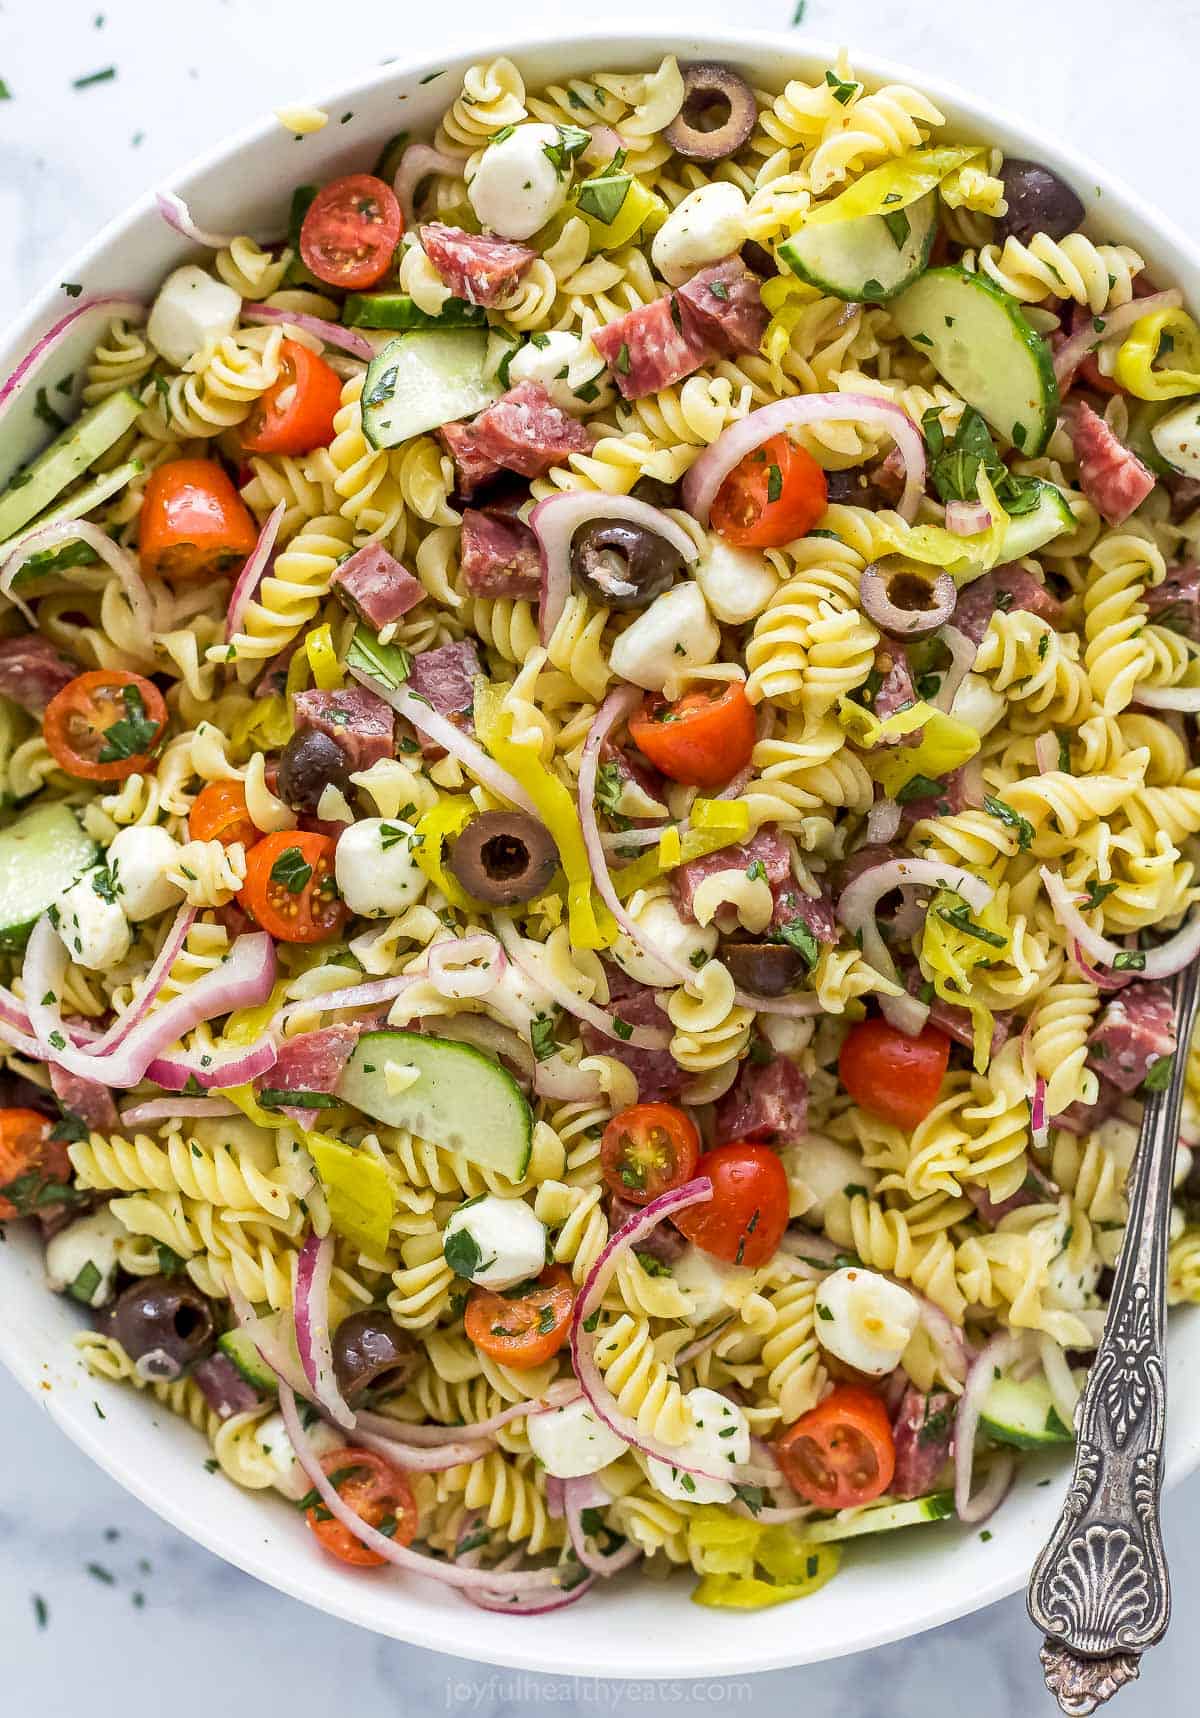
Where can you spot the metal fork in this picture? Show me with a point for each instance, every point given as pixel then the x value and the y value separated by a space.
pixel 1100 1591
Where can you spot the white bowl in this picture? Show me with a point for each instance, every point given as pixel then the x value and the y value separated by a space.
pixel 893 1586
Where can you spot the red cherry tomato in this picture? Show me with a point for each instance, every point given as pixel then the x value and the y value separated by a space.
pixel 377 1491
pixel 296 414
pixel 290 889
pixel 219 814
pixel 891 1074
pixel 350 232
pixel 105 725
pixel 842 1453
pixel 743 1222
pixel 774 495
pixel 647 1150
pixel 522 1330
pixel 193 522
pixel 32 1164
pixel 703 739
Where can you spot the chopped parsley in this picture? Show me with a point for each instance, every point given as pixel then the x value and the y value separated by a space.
pixel 899 226
pixel 622 1028
pixel 541 1036
pixel 774 483
pixel 132 734
pixel 461 1252
pixel 1158 1076
pixel 1098 892
pixel 1129 960
pixel 104 76
pixel 798 936
pixel 1011 819
pixel 920 787
pixel 291 870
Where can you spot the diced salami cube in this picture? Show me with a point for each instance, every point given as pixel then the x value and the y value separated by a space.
pixel 223 1387
pixel 1006 588
pixel 32 670
pixel 446 677
pixel 374 584
pixel 767 1104
pixel 1114 480
pixel 723 305
pixel 766 849
pixel 312 1061
pixel 652 348
pixel 361 723
pixel 500 556
pixel 794 906
pixel 479 269
pixel 1136 1030
pixel 524 432
pixel 896 690
pixel 924 1437
pixel 657 1072
pixel 91 1102
pixel 1176 602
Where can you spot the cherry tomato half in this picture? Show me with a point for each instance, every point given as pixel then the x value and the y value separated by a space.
pixel 743 1222
pixel 219 814
pixel 647 1150
pixel 296 414
pixel 891 1074
pixel 350 232
pixel 105 725
pixel 289 887
pixel 375 1489
pixel 522 1330
pixel 841 1454
pixel 31 1164
pixel 193 521
pixel 774 495
pixel 703 739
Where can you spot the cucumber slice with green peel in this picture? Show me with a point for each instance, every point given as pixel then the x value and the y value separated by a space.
pixel 868 260
pixel 979 341
pixel 41 854
pixel 461 1099
pixel 1028 532
pixel 67 457
pixel 883 1517
pixel 396 310
pixel 239 1346
pixel 1023 1415
pixel 49 562
pixel 388 160
pixel 422 380
pixel 1174 439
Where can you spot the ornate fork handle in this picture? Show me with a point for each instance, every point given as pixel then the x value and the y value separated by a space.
pixel 1100 1590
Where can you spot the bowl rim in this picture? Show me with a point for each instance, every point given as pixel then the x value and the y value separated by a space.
pixel 546 1653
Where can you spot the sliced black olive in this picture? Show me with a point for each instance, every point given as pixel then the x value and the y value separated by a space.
pixel 164 1324
pixel 1038 202
pixel 655 492
pixel 623 566
pixel 758 260
pixel 309 763
pixel 766 968
pixel 369 1348
pixel 718 114
pixel 504 857
pixel 904 599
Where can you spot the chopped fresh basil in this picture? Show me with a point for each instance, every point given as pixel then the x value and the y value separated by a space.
pixel 104 76
pixel 899 226
pixel 604 198
pixel 541 1037
pixel 291 870
pixel 843 92
pixel 85 1284
pixel 774 483
pixel 1129 960
pixel 279 1097
pixel 920 787
pixel 133 734
pixel 798 936
pixel 753 1496
pixel 622 1028
pixel 1098 892
pixel 390 664
pixel 1158 1075
pixel 961 919
pixel 572 141
pixel 461 1252
pixel 1011 819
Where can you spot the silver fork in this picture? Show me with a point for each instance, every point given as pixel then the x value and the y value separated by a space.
pixel 1100 1591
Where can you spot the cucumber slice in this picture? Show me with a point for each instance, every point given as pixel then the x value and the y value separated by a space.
pixel 423 380
pixel 1023 1415
pixel 76 506
pixel 462 1099
pixel 978 340
pixel 396 310
pixel 868 260
pixel 1031 531
pixel 388 161
pixel 41 854
pixel 67 458
pixel 238 1346
pixel 883 1517
pixel 1175 440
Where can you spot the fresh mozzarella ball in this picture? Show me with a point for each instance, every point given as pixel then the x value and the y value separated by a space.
pixel 865 1320
pixel 712 1287
pixel 709 224
pixel 571 1441
pixel 737 583
pixel 191 310
pixel 817 1169
pixel 503 1242
pixel 138 862
pixel 659 919
pixel 91 1242
pixel 375 868
pixel 287 1476
pixel 1176 436
pixel 1070 1288
pixel 94 928
pixel 977 705
pixel 676 632
pixel 564 365
pixel 720 1439
pixel 517 187
pixel 787 1036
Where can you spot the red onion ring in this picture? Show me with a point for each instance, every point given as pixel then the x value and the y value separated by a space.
pixel 962 659
pixel 80 531
pixel 1073 351
pixel 558 1395
pixel 1045 751
pixel 252 570
pixel 185 1109
pixel 587 1493
pixel 992 1358
pixel 332 333
pixel 1164 961
pixel 424 1458
pixel 178 217
pixel 151 985
pixel 356 996
pixel 1038 1127
pixel 554 523
pixel 967 518
pixel 311 1313
pixel 417 163
pixel 1103 980
pixel 213 1071
pixel 706 476
pixel 452 969
pixel 640 1037
pixel 115 303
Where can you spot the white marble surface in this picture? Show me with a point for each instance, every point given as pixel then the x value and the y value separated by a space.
pixel 157 1621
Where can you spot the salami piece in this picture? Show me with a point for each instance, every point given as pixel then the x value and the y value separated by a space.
pixel 1136 1030
pixel 1006 588
pixel 723 304
pixel 524 432
pixel 32 670
pixel 478 269
pixel 924 1438
pixel 652 348
pixel 1114 480
pixel 765 1104
pixel 374 584
pixel 360 723
pixel 1176 602
pixel 500 556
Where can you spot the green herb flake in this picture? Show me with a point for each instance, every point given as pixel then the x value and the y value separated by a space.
pixel 899 226
pixel 85 1284
pixel 1158 1077
pixel 41 1610
pixel 603 197
pixel 843 92
pixel 105 75
pixel 774 483
pixel 461 1252
pixel 961 919
pixel 99 1573
pixel 291 870
pixel 389 664
pixel 541 1037
pixel 1129 960
pixel 797 935
pixel 1011 819
pixel 133 734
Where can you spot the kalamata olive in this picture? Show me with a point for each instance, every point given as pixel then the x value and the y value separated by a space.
pixel 310 762
pixel 504 857
pixel 1038 202
pixel 718 114
pixel 758 259
pixel 370 1348
pixel 904 598
pixel 623 566
pixel 767 968
pixel 164 1324
pixel 655 492
pixel 852 488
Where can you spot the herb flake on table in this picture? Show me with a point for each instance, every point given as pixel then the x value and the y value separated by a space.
pixel 105 75
pixel 41 1611
pixel 5 92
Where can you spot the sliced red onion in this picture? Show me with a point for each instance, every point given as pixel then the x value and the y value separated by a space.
pixel 971 782
pixel 424 1458
pixel 368 995
pixel 80 531
pixel 252 571
pixel 417 163
pixel 905 622
pixel 1038 1126
pixel 1097 975
pixel 883 821
pixel 487 1600
pixel 616 707
pixel 618 839
pixel 564 1082
pixel 183 1109
pixel 151 985
pixel 21 1042
pixel 640 1037
pixel 1183 698
pixel 962 659
pixel 554 523
pixel 702 1344
pixel 472 1581
pixel 1164 961
pixel 178 216
pixel 454 970
pixel 586 1493
pixel 991 1360
pixel 556 1496
pixel 705 478
pixel 1073 351
pixel 113 303
pixel 1046 752
pixel 967 518
pixel 443 732
pixel 214 1070
pixel 311 1313
pixel 332 333
pixel 558 1395
pixel 243 980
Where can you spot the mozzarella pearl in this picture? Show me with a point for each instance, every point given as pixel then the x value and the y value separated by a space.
pixel 90 1241
pixel 509 1242
pixel 375 867
pixel 675 633
pixel 517 187
pixel 138 862
pixel 659 919
pixel 1176 436
pixel 865 1320
pixel 737 583
pixel 976 704
pixel 287 1476
pixel 709 224
pixel 720 1439
pixel 571 1441
pixel 95 930
pixel 192 310
pixel 563 364
pixel 817 1169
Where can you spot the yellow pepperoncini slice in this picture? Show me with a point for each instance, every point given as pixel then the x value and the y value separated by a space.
pixel 817 1563
pixel 246 1100
pixel 946 743
pixel 268 722
pixel 1165 334
pixel 894 185
pixel 362 1201
pixel 322 658
pixel 954 941
pixel 442 823
pixel 730 815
